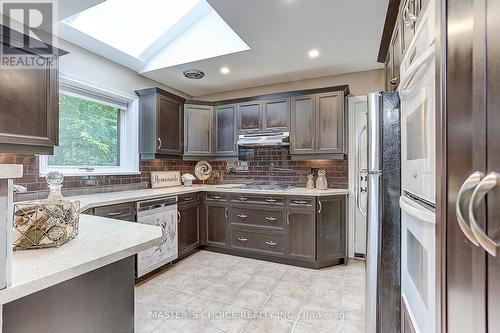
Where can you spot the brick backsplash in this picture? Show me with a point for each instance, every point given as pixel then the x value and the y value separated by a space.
pixel 265 164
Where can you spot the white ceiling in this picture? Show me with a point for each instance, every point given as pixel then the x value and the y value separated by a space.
pixel 280 33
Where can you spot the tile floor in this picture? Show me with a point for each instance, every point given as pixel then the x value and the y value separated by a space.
pixel 212 292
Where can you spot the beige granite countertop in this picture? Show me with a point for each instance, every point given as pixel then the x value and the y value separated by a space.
pixel 100 242
pixel 104 199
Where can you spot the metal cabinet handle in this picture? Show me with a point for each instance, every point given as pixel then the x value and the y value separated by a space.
pixel 270 200
pixel 287 217
pixel 225 212
pixel 188 199
pixel 178 217
pixel 317 143
pixel 116 213
pixel 320 207
pixel 159 143
pixel 242 239
pixel 242 216
pixel 300 202
pixel 468 186
pixel 394 80
pixel 271 243
pixel 271 219
pixel 216 197
pixel 312 144
pixel 242 199
pixel 485 185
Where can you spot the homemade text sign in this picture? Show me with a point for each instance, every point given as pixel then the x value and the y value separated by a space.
pixel 165 178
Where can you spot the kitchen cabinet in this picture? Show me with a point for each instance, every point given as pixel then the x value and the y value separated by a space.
pixel 225 130
pixel 216 215
pixel 317 126
pixel 331 230
pixel 250 117
pixel 301 234
pixel 160 124
pixel 198 129
pixel 394 59
pixel 29 101
pixel 276 115
pixel 125 212
pixel 188 224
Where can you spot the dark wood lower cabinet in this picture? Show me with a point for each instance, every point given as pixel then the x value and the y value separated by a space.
pixel 216 214
pixel 188 227
pixel 301 234
pixel 331 230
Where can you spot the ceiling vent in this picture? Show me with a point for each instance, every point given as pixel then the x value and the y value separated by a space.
pixel 194 74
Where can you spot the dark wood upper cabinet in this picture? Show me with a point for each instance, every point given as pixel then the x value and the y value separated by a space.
pixel 250 117
pixel 225 130
pixel 394 59
pixel 331 230
pixel 301 234
pixel 29 102
pixel 330 123
pixel 318 125
pixel 198 129
pixel 160 124
pixel 276 115
pixel 303 125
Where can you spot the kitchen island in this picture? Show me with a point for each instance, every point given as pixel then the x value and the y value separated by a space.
pixel 86 285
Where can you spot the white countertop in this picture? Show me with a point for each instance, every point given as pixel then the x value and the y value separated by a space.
pixel 104 199
pixel 100 242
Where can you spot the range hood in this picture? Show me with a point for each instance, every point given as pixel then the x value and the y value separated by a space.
pixel 264 139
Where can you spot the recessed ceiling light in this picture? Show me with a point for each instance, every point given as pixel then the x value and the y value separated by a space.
pixel 313 53
pixel 224 70
pixel 194 74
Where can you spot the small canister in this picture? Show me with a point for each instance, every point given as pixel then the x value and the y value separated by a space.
pixel 310 182
pixel 321 182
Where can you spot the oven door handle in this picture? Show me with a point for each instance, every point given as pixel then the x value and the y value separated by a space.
pixel 416 210
pixel 419 66
pixel 489 182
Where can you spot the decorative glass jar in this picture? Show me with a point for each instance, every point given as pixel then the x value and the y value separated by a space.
pixel 321 182
pixel 310 182
pixel 46 223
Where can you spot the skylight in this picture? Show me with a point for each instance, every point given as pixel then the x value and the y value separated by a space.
pixel 131 26
pixel 152 34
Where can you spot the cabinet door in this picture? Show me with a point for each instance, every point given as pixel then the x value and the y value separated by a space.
pixel 189 227
pixel 303 121
pixel 389 69
pixel 330 123
pixel 225 130
pixel 331 224
pixel 198 130
pixel 250 117
pixel 29 108
pixel 215 228
pixel 276 115
pixel 408 22
pixel 301 234
pixel 397 56
pixel 169 126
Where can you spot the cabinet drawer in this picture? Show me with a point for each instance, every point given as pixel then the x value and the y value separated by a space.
pixel 262 200
pixel 186 198
pixel 124 211
pixel 215 197
pixel 258 242
pixel 303 202
pixel 257 217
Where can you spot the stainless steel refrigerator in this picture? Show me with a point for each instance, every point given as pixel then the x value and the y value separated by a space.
pixel 383 254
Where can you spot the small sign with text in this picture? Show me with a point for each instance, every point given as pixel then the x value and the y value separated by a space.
pixel 165 178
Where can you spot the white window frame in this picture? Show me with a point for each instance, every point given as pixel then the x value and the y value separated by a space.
pixel 129 130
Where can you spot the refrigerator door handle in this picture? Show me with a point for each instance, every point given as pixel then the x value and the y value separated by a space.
pixel 416 210
pixel 468 186
pixel 487 183
pixel 360 173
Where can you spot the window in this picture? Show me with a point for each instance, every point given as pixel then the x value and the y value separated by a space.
pixel 97 132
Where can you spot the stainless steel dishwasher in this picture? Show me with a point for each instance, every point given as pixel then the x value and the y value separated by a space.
pixel 161 212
